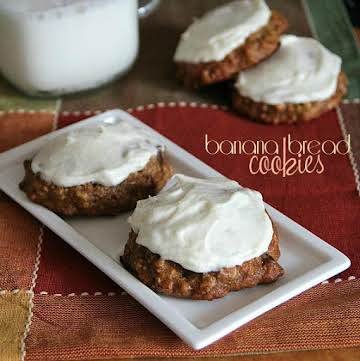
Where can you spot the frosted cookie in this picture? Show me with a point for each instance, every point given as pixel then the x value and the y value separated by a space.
pixel 99 170
pixel 299 82
pixel 202 239
pixel 227 40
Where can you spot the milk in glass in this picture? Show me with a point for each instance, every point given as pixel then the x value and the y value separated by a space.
pixel 50 47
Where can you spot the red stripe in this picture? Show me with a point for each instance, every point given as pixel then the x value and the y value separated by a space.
pixel 327 204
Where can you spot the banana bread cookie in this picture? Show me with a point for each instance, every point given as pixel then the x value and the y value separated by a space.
pixel 101 170
pixel 202 239
pixel 226 41
pixel 299 83
pixel 172 279
pixel 93 199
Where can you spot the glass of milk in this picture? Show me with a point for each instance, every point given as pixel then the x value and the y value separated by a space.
pixel 54 47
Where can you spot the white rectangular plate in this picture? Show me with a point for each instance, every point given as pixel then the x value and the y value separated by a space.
pixel 307 259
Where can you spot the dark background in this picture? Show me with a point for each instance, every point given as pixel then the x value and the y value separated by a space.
pixel 353 7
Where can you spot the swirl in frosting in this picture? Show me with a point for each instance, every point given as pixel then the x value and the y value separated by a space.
pixel 203 224
pixel 213 36
pixel 105 154
pixel 302 70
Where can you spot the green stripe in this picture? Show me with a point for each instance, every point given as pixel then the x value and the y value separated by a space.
pixel 12 99
pixel 330 23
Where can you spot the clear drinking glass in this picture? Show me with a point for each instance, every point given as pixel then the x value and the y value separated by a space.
pixel 54 47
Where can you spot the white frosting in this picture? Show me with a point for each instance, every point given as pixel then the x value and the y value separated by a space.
pixel 302 70
pixel 103 154
pixel 203 224
pixel 221 30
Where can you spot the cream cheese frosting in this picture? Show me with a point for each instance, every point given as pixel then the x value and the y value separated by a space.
pixel 213 36
pixel 203 224
pixel 105 154
pixel 302 70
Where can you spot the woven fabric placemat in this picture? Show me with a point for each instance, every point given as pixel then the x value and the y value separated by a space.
pixel 77 313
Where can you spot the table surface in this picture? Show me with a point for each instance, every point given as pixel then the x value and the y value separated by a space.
pixel 152 80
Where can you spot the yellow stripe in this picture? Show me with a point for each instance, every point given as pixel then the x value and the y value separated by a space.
pixel 14 309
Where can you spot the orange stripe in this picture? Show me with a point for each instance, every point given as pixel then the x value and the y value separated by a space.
pixel 18 128
pixel 19 236
pixel 93 327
